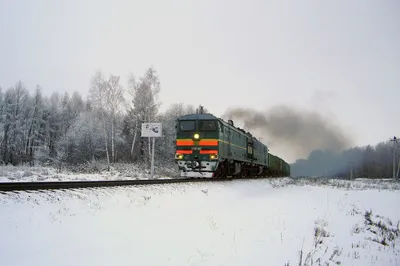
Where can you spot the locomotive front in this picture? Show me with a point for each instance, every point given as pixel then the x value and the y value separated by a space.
pixel 197 145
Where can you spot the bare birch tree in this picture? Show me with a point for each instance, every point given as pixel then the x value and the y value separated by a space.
pixel 98 97
pixel 114 99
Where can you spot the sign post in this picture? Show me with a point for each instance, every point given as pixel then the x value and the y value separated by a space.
pixel 152 130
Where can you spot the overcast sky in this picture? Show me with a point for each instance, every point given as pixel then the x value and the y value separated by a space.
pixel 338 57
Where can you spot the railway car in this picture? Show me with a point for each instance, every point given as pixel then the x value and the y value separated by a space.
pixel 207 147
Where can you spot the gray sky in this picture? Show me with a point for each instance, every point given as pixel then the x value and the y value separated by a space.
pixel 341 58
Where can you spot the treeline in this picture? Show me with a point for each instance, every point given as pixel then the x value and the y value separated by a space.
pixel 360 162
pixel 68 129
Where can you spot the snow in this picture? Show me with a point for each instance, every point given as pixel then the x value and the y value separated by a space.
pixel 243 222
pixel 93 172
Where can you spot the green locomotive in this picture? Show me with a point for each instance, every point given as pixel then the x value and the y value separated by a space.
pixel 207 146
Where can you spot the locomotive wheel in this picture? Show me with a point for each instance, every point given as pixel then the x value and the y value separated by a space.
pixel 222 170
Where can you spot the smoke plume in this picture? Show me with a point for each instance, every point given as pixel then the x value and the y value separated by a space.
pixel 291 133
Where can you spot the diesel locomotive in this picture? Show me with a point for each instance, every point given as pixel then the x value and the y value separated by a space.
pixel 209 147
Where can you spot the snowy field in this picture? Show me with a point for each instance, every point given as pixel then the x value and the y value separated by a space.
pixel 91 172
pixel 257 222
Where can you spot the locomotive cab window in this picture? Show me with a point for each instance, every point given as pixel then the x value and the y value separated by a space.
pixel 187 125
pixel 208 125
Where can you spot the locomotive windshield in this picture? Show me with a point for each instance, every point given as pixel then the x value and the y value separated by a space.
pixel 207 125
pixel 189 125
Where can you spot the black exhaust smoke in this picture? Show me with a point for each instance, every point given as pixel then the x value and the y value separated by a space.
pixel 292 133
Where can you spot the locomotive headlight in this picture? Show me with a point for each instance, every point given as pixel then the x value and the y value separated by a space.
pixel 213 156
pixel 179 156
pixel 196 136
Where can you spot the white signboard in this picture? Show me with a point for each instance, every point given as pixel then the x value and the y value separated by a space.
pixel 151 130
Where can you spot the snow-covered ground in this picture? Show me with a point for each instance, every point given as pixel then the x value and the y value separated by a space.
pixel 92 172
pixel 257 222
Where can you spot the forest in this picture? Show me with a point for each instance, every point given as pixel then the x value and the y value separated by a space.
pixel 65 130
pixel 372 161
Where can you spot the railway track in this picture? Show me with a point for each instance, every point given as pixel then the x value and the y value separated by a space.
pixel 24 186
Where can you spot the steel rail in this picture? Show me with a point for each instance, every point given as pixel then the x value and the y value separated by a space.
pixel 47 185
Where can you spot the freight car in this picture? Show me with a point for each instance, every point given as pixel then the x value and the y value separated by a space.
pixel 207 146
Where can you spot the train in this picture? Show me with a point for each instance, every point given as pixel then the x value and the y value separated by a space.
pixel 209 147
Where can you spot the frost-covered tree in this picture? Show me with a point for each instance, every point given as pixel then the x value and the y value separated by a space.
pixel 35 123
pixel 14 123
pixel 83 141
pixel 106 97
pixel 2 119
pixel 77 105
pixel 144 109
pixel 114 100
pixel 98 98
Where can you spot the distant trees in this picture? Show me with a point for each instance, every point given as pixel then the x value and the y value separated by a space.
pixel 63 129
pixel 366 162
